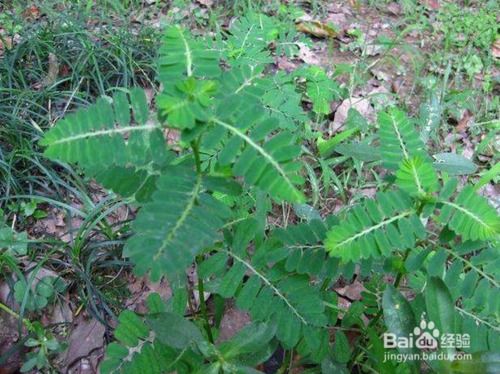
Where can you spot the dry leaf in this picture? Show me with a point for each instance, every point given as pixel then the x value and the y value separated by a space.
pixel 32 13
pixel 495 48
pixel 232 322
pixel 431 4
pixel 283 63
pixel 140 288
pixel 317 29
pixel 207 3
pixel 307 55
pixel 464 121
pixel 9 337
pixel 52 72
pixel 351 291
pixel 362 105
pixel 395 9
pixel 87 336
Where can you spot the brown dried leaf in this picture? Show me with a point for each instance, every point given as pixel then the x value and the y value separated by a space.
pixel 232 322
pixel 283 63
pixel 32 12
pixel 307 55
pixel 394 8
pixel 351 291
pixel 464 122
pixel 431 4
pixel 141 288
pixel 87 336
pixel 495 48
pixel 317 29
pixel 207 3
pixel 9 336
pixel 52 71
pixel 362 105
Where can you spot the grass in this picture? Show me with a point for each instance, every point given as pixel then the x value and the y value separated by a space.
pixel 62 60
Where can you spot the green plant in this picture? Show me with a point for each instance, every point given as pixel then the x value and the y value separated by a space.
pixel 235 142
pixel 43 346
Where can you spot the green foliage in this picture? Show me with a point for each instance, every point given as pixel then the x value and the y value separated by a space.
pixel 461 26
pixel 471 216
pixel 183 56
pixel 417 177
pixel 208 200
pixel 163 341
pixel 185 103
pixel 91 137
pixel 43 346
pixel 320 89
pixel 398 139
pixel 377 228
pixel 37 297
pixel 180 220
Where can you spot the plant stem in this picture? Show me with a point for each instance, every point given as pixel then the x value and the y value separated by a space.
pixel 286 362
pixel 9 311
pixel 203 307
pixel 196 154
pixel 201 293
pixel 380 312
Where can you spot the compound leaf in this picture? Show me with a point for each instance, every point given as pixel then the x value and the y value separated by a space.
pixel 179 221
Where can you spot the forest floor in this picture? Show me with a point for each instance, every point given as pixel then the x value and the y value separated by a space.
pixel 434 58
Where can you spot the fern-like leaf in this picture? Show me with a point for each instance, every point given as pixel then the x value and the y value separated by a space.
pixel 263 160
pixel 123 153
pixel 320 88
pixel 248 41
pixel 417 177
pixel 144 345
pixel 398 139
pixel 103 134
pixel 274 295
pixel 186 102
pixel 375 228
pixel 182 56
pixel 179 221
pixel 471 216
pixel 302 249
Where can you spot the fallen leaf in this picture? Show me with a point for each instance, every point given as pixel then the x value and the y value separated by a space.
pixel 339 20
pixel 52 72
pixel 32 13
pixel 394 8
pixel 351 291
pixel 495 48
pixel 431 4
pixel 9 336
pixel 141 288
pixel 464 122
pixel 362 105
pixel 207 3
pixel 232 322
pixel 87 336
pixel 283 63
pixel 307 55
pixel 317 29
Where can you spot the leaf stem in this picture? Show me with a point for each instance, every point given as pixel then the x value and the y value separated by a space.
pixel 196 154
pixel 203 306
pixel 9 311
pixel 201 287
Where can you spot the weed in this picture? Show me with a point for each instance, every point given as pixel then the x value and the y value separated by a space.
pixel 232 141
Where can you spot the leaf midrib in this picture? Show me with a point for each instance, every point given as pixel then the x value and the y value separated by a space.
pixel 263 152
pixel 97 133
pixel 182 218
pixel 270 285
pixel 373 228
